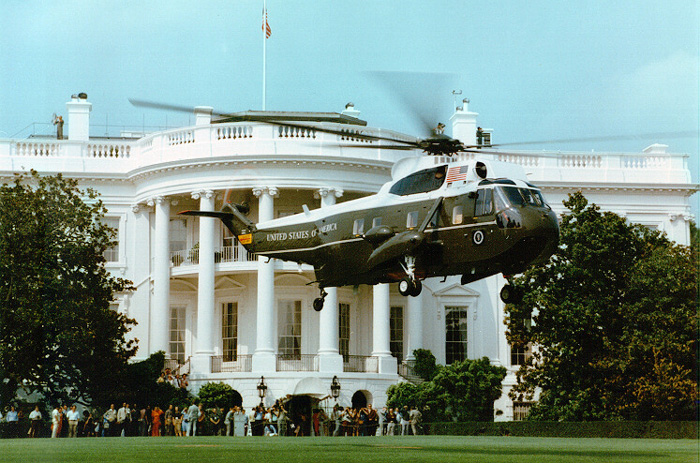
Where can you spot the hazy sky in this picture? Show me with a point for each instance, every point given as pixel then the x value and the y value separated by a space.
pixel 533 70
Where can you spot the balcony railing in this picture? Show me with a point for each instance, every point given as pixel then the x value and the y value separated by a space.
pixel 223 255
pixel 240 363
pixel 360 364
pixel 297 362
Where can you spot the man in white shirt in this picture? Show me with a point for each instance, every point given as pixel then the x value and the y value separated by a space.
pixel 73 416
pixel 123 415
pixel 55 420
pixel 35 420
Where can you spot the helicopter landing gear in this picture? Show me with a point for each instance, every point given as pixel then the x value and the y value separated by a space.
pixel 318 302
pixel 410 285
pixel 511 294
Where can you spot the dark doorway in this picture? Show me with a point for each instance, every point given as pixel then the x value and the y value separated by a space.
pixel 236 399
pixel 359 400
pixel 299 409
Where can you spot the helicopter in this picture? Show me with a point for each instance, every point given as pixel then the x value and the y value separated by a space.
pixel 439 216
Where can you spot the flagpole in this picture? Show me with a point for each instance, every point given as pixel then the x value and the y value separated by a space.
pixel 264 39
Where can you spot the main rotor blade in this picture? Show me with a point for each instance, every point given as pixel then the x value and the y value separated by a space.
pixel 168 107
pixel 641 136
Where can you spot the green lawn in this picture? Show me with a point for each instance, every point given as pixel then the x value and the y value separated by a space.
pixel 347 449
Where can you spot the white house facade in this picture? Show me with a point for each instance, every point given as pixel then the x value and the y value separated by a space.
pixel 225 315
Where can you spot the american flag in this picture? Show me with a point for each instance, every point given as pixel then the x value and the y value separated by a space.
pixel 455 174
pixel 266 26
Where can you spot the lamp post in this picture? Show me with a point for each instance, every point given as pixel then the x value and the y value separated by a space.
pixel 335 388
pixel 262 390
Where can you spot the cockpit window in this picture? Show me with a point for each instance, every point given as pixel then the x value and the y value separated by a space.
pixel 420 182
pixel 484 202
pixel 522 197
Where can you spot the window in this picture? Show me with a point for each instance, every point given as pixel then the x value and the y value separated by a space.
pixel 358 227
pixel 455 334
pixel 519 356
pixel 177 334
pixel 457 215
pixel 520 410
pixel 484 202
pixel 344 330
pixel 111 254
pixel 412 220
pixel 396 332
pixel 376 222
pixel 289 329
pixel 420 182
pixel 178 235
pixel 229 331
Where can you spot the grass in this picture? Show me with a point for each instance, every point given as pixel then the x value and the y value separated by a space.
pixel 389 449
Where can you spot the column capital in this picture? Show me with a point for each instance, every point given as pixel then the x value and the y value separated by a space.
pixel 136 208
pixel 325 191
pixel 273 191
pixel 207 194
pixel 156 200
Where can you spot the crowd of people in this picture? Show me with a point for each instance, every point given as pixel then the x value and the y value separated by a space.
pixel 194 420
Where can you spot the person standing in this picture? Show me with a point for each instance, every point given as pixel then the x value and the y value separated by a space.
pixel 122 415
pixel 12 418
pixel 414 418
pixel 73 417
pixel 55 421
pixel 35 422
pixel 110 421
pixel 169 421
pixel 228 421
pixel 192 417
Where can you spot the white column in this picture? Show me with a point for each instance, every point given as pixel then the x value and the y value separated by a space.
pixel 329 358
pixel 201 361
pixel 414 333
pixel 264 358
pixel 160 309
pixel 380 329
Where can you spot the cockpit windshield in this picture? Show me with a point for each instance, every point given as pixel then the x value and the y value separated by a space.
pixel 420 182
pixel 514 196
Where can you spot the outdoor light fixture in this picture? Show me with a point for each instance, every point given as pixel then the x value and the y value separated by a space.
pixel 262 389
pixel 335 388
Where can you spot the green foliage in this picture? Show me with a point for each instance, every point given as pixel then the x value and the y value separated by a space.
pixel 425 365
pixel 138 384
pixel 58 334
pixel 462 391
pixel 614 320
pixel 218 395
pixel 402 395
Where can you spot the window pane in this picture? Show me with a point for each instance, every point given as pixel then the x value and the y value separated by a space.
pixel 289 329
pixel 396 332
pixel 177 334
pixel 455 334
pixel 344 329
pixel 229 331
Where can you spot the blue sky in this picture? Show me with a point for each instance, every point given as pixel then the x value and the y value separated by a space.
pixel 533 70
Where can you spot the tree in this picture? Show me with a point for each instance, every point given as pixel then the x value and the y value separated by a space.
pixel 425 365
pixel 218 395
pixel 463 391
pixel 58 334
pixel 613 323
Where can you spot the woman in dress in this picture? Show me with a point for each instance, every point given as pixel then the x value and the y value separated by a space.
pixel 155 421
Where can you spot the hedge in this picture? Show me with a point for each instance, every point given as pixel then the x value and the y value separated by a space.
pixel 618 429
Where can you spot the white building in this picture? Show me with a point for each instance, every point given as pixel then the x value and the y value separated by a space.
pixel 227 316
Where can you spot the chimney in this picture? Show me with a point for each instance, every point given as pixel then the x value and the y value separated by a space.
pixel 202 115
pixel 351 111
pixel 464 124
pixel 79 117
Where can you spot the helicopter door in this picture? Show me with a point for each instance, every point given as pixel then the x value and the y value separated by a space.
pixel 484 202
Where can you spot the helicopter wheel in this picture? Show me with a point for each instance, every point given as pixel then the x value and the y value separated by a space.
pixel 511 295
pixel 318 304
pixel 410 287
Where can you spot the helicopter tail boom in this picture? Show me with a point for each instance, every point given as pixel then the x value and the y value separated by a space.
pixel 235 221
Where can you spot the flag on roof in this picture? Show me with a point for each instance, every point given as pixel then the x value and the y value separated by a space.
pixel 265 25
pixel 457 173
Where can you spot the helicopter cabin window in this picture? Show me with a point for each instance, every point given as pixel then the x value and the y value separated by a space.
pixel 420 182
pixel 358 227
pixel 412 219
pixel 484 202
pixel 457 215
pixel 376 222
